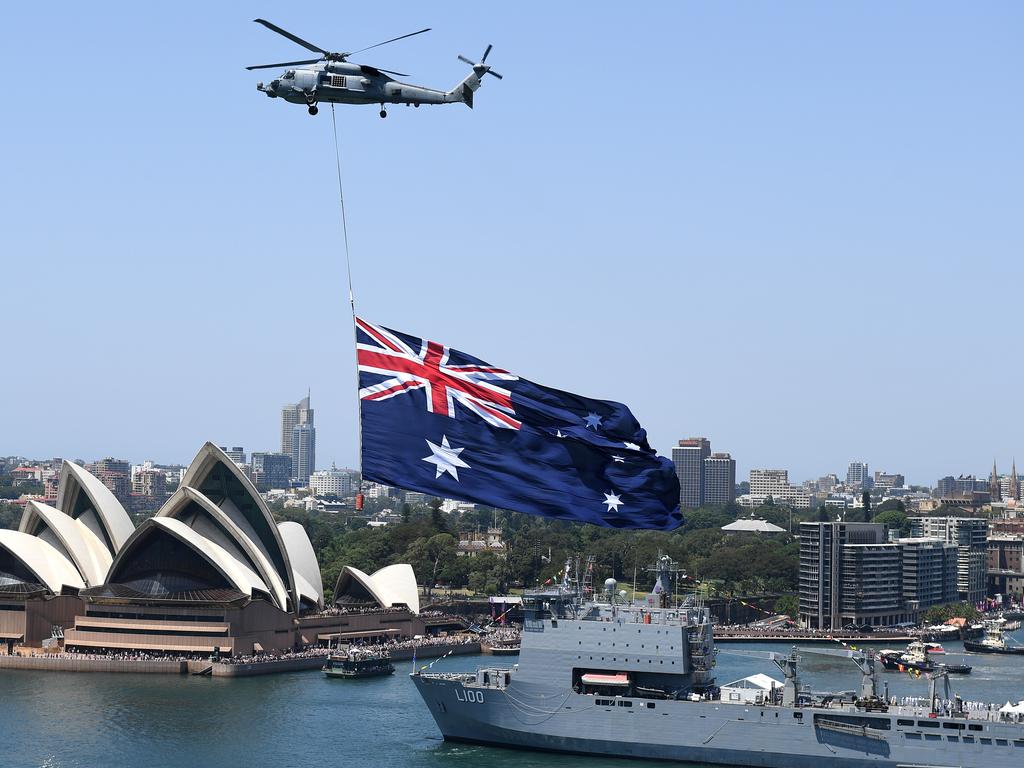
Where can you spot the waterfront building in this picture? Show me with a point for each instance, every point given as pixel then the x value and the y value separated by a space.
pixel 719 479
pixel 1006 565
pixel 929 567
pixel 303 452
pixel 688 457
pixel 472 544
pixel 969 535
pixel 850 573
pixel 331 482
pixel 211 573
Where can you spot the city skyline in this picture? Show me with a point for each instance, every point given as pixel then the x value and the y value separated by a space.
pixel 837 226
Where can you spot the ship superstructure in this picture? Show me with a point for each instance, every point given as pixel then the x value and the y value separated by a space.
pixel 599 676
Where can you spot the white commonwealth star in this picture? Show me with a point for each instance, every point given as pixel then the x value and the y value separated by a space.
pixel 612 501
pixel 445 458
pixel 593 421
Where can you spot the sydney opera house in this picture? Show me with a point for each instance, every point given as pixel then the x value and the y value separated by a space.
pixel 210 573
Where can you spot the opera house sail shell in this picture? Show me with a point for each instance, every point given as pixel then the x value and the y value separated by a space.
pixel 211 574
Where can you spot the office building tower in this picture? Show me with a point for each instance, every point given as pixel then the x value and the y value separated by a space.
pixel 331 482
pixel 271 470
pixel 236 454
pixel 303 452
pixel 857 475
pixel 292 416
pixel 970 537
pixel 719 479
pixel 688 458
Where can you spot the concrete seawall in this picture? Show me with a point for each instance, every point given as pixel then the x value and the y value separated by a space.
pixel 433 651
pixel 42 663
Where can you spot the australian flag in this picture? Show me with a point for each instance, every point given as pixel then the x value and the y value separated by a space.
pixel 442 422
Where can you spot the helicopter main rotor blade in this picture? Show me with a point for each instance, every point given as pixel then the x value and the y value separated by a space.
pixel 392 40
pixel 284 64
pixel 284 33
pixel 377 70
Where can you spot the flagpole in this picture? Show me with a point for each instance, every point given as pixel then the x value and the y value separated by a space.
pixel 352 305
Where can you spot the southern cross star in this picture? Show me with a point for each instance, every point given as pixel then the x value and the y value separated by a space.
pixel 612 501
pixel 619 459
pixel 631 446
pixel 593 421
pixel 445 458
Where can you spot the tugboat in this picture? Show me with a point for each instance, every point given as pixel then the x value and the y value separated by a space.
pixel 353 662
pixel 994 641
pixel 601 676
pixel 917 657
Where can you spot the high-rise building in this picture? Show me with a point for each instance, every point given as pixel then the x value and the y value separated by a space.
pixel 688 458
pixel 888 480
pixel 271 470
pixel 236 454
pixel 331 482
pixel 849 573
pixel 929 572
pixel 719 479
pixel 303 452
pixel 857 475
pixel 970 536
pixel 292 416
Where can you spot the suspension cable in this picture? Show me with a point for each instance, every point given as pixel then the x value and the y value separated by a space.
pixel 351 294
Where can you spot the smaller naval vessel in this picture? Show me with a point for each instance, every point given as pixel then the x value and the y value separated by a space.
pixel 599 676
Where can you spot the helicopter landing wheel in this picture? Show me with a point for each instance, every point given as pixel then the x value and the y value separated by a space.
pixel 313 109
pixel 383 113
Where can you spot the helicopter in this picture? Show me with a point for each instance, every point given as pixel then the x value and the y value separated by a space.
pixel 333 79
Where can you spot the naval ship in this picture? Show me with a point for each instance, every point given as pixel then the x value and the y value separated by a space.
pixel 597 676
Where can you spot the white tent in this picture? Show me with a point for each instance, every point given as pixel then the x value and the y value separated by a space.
pixel 750 690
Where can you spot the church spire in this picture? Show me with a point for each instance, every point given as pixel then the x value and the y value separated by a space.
pixel 993 484
pixel 1014 492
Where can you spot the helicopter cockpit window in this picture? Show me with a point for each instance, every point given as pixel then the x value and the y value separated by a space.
pixel 289 75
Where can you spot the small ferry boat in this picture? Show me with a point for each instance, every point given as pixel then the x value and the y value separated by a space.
pixel 994 641
pixel 935 649
pixel 353 662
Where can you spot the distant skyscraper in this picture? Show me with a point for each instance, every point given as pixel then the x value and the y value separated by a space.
pixel 719 479
pixel 857 475
pixel 303 452
pixel 688 458
pixel 292 416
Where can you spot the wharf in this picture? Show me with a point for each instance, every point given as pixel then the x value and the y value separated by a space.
pixel 805 639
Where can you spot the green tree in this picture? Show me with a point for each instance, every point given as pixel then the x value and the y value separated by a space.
pixel 894 519
pixel 788 605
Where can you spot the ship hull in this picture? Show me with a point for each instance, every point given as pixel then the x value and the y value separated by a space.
pixel 705 732
pixel 982 648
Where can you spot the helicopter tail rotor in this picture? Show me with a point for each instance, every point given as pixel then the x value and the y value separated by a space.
pixel 481 67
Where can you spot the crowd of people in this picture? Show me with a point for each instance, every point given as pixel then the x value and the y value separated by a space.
pixel 262 658
pixel 419 642
pixel 101 655
pixel 502 636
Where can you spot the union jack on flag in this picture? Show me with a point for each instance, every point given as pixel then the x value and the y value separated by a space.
pixel 429 368
pixel 439 421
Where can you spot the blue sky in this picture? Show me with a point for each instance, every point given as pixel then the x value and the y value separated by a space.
pixel 795 228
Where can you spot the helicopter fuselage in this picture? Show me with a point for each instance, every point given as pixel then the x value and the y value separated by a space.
pixel 341 82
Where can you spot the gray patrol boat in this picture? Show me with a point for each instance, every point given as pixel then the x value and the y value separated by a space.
pixel 597 677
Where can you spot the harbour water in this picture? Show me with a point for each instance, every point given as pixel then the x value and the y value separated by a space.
pixel 65 720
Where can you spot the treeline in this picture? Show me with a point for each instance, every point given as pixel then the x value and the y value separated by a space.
pixel 537 548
